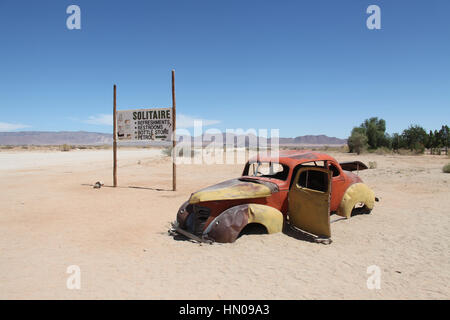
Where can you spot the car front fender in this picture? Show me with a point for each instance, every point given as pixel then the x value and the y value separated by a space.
pixel 227 226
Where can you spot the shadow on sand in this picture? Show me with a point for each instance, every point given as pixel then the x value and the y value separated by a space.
pixel 132 187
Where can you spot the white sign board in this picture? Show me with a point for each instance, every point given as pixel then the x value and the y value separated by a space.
pixel 145 124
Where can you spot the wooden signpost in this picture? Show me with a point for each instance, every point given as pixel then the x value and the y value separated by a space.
pixel 145 125
pixel 174 137
pixel 114 139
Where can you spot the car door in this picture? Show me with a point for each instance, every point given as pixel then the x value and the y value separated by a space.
pixel 309 201
pixel 337 185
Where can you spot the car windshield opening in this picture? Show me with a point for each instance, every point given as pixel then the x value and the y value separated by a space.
pixel 272 170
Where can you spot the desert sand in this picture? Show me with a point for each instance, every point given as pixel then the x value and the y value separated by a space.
pixel 51 217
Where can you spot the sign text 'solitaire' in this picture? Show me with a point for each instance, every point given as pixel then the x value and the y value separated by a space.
pixel 145 124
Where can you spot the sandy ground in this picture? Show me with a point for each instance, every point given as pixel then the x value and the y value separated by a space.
pixel 51 218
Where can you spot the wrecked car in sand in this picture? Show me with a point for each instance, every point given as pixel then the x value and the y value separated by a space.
pixel 301 188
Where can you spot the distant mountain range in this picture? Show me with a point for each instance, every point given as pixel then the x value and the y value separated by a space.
pixel 54 138
pixel 95 138
pixel 313 140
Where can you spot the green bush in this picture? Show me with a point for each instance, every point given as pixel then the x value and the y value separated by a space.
pixel 446 168
pixel 180 152
pixel 65 147
pixel 167 151
pixel 419 148
pixel 357 142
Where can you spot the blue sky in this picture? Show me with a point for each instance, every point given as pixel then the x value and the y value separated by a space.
pixel 305 67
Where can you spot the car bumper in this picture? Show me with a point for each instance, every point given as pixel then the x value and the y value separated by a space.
pixel 175 229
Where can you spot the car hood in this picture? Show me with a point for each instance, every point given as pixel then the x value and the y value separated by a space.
pixel 233 189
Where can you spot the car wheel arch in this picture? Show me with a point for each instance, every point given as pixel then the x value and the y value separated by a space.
pixel 228 225
pixel 356 193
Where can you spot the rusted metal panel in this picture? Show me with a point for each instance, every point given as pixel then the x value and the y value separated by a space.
pixel 353 166
pixel 230 190
pixel 182 214
pixel 229 224
pixel 308 156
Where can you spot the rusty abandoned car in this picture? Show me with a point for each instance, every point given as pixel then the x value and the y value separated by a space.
pixel 299 188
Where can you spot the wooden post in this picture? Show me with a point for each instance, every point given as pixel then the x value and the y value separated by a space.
pixel 114 140
pixel 174 137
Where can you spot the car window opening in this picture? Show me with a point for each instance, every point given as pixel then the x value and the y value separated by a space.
pixel 314 180
pixel 268 169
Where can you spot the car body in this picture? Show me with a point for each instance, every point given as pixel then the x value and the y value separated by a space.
pixel 302 187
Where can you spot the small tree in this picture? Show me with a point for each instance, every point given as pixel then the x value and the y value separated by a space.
pixel 435 142
pixel 375 130
pixel 429 144
pixel 397 141
pixel 445 137
pixel 357 142
pixel 415 138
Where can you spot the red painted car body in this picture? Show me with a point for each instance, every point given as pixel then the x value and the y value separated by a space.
pixel 341 180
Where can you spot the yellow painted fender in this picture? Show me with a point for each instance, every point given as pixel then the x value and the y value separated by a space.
pixel 269 217
pixel 356 193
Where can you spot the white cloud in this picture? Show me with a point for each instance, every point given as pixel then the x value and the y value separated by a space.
pixel 100 119
pixel 185 121
pixel 4 126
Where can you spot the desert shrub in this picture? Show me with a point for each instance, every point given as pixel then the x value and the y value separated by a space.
pixel 405 152
pixel 357 142
pixel 181 152
pixel 344 148
pixel 65 147
pixel 446 168
pixel 185 153
pixel 436 151
pixel 419 148
pixel 167 151
pixel 383 151
pixel 373 164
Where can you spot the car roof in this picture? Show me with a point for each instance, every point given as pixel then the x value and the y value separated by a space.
pixel 294 157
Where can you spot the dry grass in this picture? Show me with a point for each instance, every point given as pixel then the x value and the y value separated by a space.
pixel 446 168
pixel 373 165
